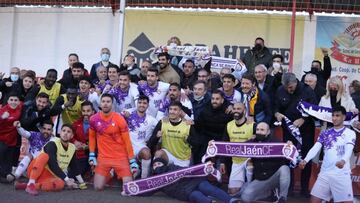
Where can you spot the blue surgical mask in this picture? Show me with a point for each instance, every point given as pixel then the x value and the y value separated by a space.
pixel 105 57
pixel 14 77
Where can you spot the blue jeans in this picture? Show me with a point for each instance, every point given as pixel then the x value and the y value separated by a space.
pixel 205 189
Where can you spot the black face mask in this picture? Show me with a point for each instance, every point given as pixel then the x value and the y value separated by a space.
pixel 238 116
pixel 314 70
pixel 160 170
pixel 333 93
pixel 260 137
pixel 257 47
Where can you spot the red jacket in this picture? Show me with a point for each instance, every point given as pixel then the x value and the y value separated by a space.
pixel 8 133
pixel 80 136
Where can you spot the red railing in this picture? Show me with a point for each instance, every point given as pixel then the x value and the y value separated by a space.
pixel 328 6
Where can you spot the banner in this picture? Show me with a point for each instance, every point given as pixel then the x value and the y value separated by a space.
pixel 227 35
pixel 340 36
pixel 156 182
pixel 251 150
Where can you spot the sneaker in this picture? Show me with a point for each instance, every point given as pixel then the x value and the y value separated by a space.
pixel 31 189
pixel 281 200
pixel 10 177
pixel 19 185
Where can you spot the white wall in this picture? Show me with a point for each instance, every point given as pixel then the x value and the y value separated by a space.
pixel 39 38
pixel 42 38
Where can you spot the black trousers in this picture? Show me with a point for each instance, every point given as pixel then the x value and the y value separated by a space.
pixel 307 131
pixel 6 159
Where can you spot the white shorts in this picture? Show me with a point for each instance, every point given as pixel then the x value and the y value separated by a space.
pixel 339 186
pixel 237 175
pixel 176 161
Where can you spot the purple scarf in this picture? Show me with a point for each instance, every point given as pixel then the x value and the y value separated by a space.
pixel 247 98
pixel 119 94
pixel 159 181
pixel 251 150
pixel 164 105
pixel 134 121
pixel 320 112
pixel 147 90
pixel 228 98
pixel 294 131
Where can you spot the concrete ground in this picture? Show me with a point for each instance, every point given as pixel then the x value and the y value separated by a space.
pixel 110 195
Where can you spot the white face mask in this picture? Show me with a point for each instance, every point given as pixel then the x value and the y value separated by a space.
pixel 276 66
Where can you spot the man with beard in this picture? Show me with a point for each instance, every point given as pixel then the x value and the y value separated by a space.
pixel 81 137
pixel 176 138
pixel 259 54
pixel 322 75
pixel 77 71
pixel 34 113
pixel 125 94
pixel 154 89
pixel 257 102
pixel 199 98
pixel 287 98
pixel 237 130
pixel 68 107
pixel 48 86
pixel 48 171
pixel 109 136
pixel 334 180
pixel 189 76
pixel 268 173
pixel 174 94
pixel 141 127
pixel 36 142
pixel 212 122
pixel 167 73
pixel 231 95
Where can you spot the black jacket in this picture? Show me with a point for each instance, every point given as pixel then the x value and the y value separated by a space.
pixel 31 118
pixel 253 58
pixel 94 67
pixel 286 103
pixel 264 168
pixel 212 122
pixel 322 75
pixel 6 90
pixel 356 97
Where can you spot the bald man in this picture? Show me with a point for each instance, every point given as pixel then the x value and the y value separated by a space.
pixel 268 173
pixel 311 80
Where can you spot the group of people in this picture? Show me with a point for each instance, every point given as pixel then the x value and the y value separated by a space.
pixel 132 122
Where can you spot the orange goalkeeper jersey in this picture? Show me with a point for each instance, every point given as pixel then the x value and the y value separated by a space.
pixel 110 135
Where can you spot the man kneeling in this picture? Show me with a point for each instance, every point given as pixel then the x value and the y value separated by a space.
pixel 48 172
pixel 268 173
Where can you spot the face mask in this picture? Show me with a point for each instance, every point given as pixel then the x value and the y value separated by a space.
pixel 333 93
pixel 260 137
pixel 14 77
pixel 276 66
pixel 198 98
pixel 238 116
pixel 314 69
pixel 105 57
pixel 257 47
pixel 160 170
pixel 172 44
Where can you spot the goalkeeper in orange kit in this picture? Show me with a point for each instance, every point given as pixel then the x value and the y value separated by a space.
pixel 109 134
